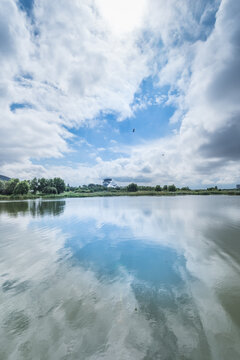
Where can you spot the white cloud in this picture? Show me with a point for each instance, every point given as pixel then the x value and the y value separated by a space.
pixel 68 67
pixel 205 77
pixel 123 16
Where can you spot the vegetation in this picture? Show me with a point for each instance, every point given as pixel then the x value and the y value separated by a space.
pixel 50 190
pixel 132 187
pixel 172 188
pixel 10 186
pixel 46 185
pixel 2 186
pixel 56 188
pixel 212 188
pixel 21 188
pixel 34 186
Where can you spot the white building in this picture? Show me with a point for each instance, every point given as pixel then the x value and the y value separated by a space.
pixel 108 182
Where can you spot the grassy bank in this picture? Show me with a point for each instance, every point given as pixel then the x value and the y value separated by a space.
pixel 118 193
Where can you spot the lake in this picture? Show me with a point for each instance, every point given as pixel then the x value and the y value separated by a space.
pixel 120 278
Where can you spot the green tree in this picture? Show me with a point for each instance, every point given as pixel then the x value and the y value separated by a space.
pixel 96 187
pixel 34 185
pixel 132 187
pixel 2 187
pixel 145 188
pixel 165 188
pixel 185 188
pixel 50 182
pixel 21 188
pixel 59 184
pixel 158 188
pixel 212 188
pixel 42 183
pixel 172 188
pixel 10 186
pixel 50 190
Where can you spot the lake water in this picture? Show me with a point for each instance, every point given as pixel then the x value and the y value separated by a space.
pixel 120 278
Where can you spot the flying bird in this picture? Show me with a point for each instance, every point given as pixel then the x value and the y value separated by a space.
pixel 133 130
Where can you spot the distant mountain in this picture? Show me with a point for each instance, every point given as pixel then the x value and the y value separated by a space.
pixel 4 178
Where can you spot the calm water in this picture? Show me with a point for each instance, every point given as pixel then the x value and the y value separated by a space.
pixel 120 278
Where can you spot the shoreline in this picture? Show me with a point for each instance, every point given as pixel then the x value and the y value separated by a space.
pixel 118 193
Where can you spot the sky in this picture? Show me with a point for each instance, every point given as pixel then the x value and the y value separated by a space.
pixel 78 76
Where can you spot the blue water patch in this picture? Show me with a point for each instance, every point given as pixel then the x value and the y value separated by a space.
pixel 110 250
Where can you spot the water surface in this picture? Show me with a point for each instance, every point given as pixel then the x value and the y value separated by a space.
pixel 120 278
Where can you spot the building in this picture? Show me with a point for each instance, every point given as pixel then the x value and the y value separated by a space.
pixel 108 182
pixel 238 186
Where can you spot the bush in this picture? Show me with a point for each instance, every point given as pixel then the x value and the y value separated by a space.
pixel 50 190
pixel 21 188
pixel 132 187
pixel 172 188
pixel 96 187
pixel 185 188
pixel 212 188
pixel 158 188
pixel 10 186
pixel 146 188
pixel 2 187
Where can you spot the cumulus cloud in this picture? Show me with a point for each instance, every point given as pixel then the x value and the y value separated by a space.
pixel 67 66
pixel 213 111
pixel 205 77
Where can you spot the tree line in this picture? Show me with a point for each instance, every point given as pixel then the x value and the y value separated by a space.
pixel 172 188
pixel 58 186
pixel 130 188
pixel 42 185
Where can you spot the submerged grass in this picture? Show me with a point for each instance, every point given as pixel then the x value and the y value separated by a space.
pixel 118 193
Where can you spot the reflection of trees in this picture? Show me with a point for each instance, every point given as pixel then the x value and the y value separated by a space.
pixel 35 208
pixel 13 208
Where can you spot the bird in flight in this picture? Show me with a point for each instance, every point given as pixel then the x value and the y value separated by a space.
pixel 133 130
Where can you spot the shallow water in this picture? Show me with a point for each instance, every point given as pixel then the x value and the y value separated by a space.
pixel 120 278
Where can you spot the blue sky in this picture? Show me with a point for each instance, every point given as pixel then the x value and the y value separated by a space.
pixel 78 77
pixel 26 5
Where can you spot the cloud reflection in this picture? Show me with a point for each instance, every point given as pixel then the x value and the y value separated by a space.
pixel 123 278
